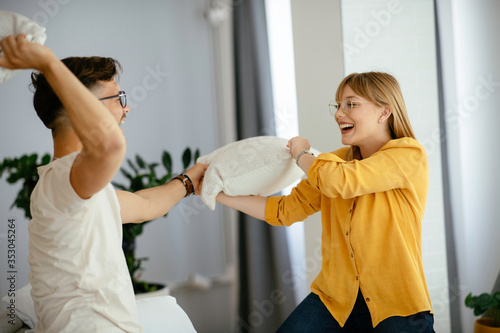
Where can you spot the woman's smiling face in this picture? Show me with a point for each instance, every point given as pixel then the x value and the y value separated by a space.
pixel 361 122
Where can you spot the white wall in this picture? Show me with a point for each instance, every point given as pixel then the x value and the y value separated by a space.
pixel 398 37
pixel 319 69
pixel 473 96
pixel 166 51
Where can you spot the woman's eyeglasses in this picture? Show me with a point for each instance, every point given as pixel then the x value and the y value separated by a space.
pixel 346 105
pixel 123 98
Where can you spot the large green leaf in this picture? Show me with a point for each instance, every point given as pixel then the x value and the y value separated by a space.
pixel 140 162
pixel 23 169
pixel 186 158
pixel 167 161
pixel 132 166
pixel 152 175
pixel 137 183
pixel 32 159
pixel 14 177
pixel 45 159
pixel 484 300
pixel 126 174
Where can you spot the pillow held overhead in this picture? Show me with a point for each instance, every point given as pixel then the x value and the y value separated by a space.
pixel 255 166
pixel 14 24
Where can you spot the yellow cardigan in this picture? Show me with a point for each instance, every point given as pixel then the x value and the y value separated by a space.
pixel 371 213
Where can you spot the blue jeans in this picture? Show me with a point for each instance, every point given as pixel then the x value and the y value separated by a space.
pixel 311 315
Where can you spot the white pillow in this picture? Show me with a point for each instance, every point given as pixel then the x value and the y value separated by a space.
pixel 156 314
pixel 25 308
pixel 163 314
pixel 13 24
pixel 255 166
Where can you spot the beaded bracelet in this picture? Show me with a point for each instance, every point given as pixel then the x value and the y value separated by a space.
pixel 305 151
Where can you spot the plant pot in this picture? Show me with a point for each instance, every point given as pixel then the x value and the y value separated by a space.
pixel 162 290
pixel 483 325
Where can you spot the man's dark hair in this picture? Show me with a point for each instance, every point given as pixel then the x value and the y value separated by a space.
pixel 89 70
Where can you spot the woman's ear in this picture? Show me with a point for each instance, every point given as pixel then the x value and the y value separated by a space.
pixel 386 113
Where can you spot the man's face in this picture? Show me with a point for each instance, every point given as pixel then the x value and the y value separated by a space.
pixel 111 88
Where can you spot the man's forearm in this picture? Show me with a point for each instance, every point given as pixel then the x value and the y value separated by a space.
pixel 161 199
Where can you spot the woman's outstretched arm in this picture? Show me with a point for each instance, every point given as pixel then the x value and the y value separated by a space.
pixel 254 206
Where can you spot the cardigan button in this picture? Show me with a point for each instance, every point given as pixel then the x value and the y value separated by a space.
pixel 367 299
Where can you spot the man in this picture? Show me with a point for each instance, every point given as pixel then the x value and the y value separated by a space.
pixel 78 272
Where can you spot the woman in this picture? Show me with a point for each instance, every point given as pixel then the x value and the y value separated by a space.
pixel 372 197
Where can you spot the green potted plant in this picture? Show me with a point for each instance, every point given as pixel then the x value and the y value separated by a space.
pixel 489 304
pixel 23 168
pixel 142 175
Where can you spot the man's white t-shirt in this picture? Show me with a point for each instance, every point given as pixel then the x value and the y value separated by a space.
pixel 79 276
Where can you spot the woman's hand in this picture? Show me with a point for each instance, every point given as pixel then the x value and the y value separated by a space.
pixel 297 145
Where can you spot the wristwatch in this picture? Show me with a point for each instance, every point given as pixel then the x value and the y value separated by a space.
pixel 187 182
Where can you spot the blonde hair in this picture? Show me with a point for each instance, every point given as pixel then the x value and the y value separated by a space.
pixel 381 89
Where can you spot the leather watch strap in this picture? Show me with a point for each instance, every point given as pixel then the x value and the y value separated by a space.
pixel 187 182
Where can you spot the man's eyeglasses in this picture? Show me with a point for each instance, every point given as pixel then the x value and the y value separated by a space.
pixel 346 105
pixel 123 98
